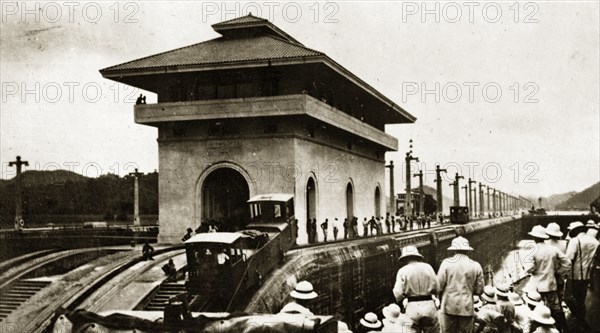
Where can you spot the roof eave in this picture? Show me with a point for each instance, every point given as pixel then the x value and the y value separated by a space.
pixel 111 74
pixel 256 25
pixel 367 87
pixel 117 74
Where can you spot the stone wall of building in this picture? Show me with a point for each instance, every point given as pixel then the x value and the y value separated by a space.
pixel 270 165
pixel 332 170
pixel 184 165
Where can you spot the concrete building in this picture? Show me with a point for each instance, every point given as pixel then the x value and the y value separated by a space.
pixel 256 112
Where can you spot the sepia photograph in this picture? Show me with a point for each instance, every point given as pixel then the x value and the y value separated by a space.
pixel 299 166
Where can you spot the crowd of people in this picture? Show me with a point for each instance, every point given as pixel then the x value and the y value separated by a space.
pixel 376 225
pixel 455 299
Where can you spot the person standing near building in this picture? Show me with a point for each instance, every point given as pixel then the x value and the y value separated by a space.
pixel 459 279
pixel 312 227
pixel 336 228
pixel 354 233
pixel 543 264
pixel 325 228
pixel 387 222
pixel 366 227
pixel 581 251
pixel 417 283
pixel 373 225
pixel 347 229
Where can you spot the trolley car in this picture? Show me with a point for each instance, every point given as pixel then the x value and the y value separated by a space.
pixel 459 214
pixel 223 266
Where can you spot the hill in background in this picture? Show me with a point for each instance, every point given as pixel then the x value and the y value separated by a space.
pixel 65 193
pixel 581 200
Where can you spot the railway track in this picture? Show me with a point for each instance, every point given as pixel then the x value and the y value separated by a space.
pixel 31 303
pixel 127 289
pixel 18 283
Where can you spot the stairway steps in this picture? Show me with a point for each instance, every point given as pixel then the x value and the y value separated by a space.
pixel 19 293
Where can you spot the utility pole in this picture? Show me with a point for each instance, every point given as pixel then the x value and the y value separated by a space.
pixel 471 208
pixel 475 207
pixel 481 201
pixel 407 160
pixel 439 197
pixel 19 194
pixel 456 185
pixel 136 197
pixel 500 202
pixel 466 188
pixel 494 202
pixel 392 195
pixel 421 194
pixel 488 200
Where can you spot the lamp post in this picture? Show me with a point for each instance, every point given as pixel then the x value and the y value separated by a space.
pixel 456 188
pixel 481 201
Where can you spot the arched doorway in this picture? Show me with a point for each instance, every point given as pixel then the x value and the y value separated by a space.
pixel 349 201
pixel 377 202
pixel 311 199
pixel 224 196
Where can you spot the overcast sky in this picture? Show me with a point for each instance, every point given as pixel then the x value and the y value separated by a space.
pixel 512 87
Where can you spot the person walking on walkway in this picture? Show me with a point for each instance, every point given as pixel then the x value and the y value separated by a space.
pixel 347 229
pixel 354 233
pixel 387 222
pixel 336 228
pixel 325 228
pixel 417 283
pixel 581 251
pixel 543 264
pixel 459 279
pixel 365 227
pixel 373 225
pixel 147 251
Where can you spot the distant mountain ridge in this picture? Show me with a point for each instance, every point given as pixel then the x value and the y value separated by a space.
pixel 580 200
pixel 37 177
